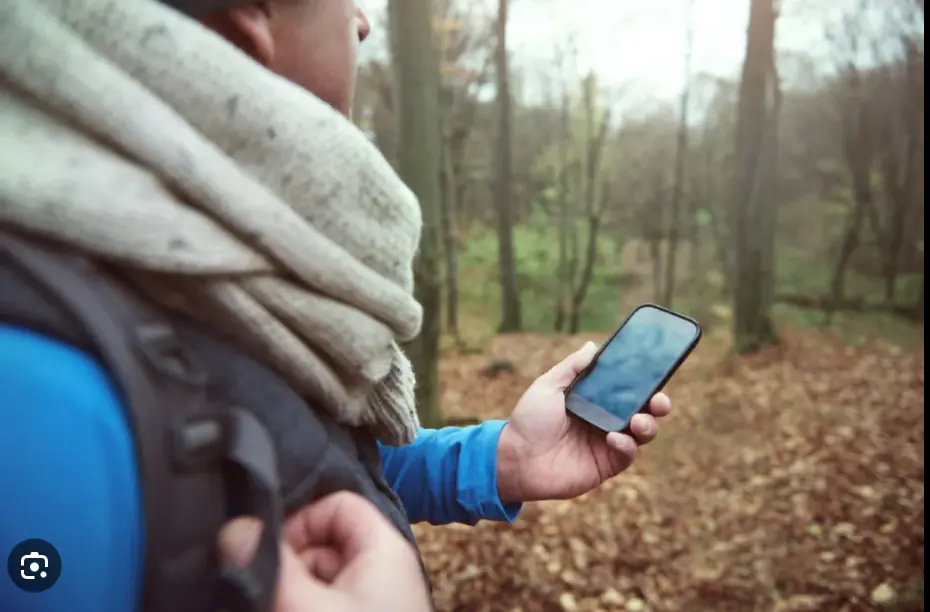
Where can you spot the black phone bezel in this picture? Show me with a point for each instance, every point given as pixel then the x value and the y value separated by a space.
pixel 600 418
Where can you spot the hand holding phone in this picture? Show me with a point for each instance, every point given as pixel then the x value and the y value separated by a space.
pixel 631 367
pixel 546 449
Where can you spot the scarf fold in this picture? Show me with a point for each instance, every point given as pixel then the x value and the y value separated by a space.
pixel 146 142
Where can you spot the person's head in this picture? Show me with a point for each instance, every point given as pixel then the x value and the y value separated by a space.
pixel 313 43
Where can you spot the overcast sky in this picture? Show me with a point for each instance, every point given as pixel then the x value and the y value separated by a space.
pixel 641 43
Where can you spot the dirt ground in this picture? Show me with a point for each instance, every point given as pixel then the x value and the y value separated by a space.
pixel 788 481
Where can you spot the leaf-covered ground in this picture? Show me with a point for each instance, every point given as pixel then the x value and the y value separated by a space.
pixel 787 481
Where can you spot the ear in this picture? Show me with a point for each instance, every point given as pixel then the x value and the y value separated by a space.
pixel 247 26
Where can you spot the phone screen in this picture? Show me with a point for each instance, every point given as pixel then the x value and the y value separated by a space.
pixel 633 365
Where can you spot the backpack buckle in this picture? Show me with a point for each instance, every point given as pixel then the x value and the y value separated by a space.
pixel 200 440
pixel 165 352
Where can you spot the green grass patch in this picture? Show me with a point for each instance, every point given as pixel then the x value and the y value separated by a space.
pixel 614 290
pixel 537 255
pixel 800 271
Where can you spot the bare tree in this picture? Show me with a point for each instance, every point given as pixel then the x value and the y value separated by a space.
pixel 510 296
pixel 880 102
pixel 461 40
pixel 681 153
pixel 857 123
pixel 565 64
pixel 564 220
pixel 899 136
pixel 581 193
pixel 753 183
pixel 416 74
pixel 712 173
pixel 596 194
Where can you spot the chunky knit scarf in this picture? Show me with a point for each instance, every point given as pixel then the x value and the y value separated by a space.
pixel 139 138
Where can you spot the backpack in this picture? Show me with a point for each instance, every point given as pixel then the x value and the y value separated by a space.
pixel 198 460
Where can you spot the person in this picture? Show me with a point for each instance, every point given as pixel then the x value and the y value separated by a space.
pixel 339 555
pixel 193 151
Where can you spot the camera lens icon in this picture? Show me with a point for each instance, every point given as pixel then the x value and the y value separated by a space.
pixel 34 565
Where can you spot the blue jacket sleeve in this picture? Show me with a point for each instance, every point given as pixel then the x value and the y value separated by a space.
pixel 449 475
pixel 67 476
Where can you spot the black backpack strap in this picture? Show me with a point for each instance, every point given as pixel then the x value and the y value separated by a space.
pixel 197 461
pixel 251 449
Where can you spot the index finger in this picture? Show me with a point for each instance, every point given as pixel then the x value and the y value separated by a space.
pixel 343 521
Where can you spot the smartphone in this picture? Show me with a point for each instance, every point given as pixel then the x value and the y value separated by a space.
pixel 635 364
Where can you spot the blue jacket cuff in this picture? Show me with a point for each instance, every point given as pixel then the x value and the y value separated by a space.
pixel 477 476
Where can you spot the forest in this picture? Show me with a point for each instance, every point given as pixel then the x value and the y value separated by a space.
pixel 781 205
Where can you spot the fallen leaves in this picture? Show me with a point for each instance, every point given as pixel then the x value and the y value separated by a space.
pixel 787 481
pixel 883 594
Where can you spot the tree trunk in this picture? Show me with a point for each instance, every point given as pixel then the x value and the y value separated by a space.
pixel 565 280
pixel 894 238
pixel 416 71
pixel 752 324
pixel 721 210
pixel 723 247
pixel 587 273
pixel 847 249
pixel 595 138
pixel 510 297
pixel 653 221
pixel 694 259
pixel 655 249
pixel 681 152
pixel 919 308
pixel 450 190
pixel 859 153
pixel 902 165
pixel 860 167
pixel 769 194
pixel 572 257
pixel 563 284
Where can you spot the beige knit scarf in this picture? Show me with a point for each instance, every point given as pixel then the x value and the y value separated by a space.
pixel 134 135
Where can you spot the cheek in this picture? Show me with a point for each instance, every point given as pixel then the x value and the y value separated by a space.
pixel 333 55
pixel 334 80
pixel 326 66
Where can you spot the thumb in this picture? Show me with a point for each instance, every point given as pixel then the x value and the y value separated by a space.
pixel 238 541
pixel 563 373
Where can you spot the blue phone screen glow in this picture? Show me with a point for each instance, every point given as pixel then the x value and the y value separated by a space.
pixel 634 363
